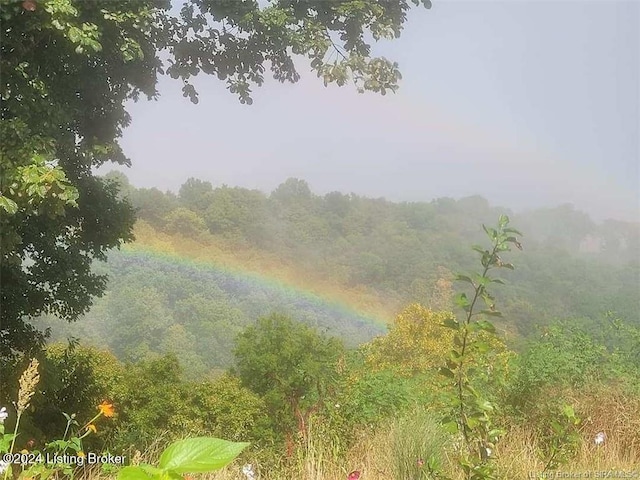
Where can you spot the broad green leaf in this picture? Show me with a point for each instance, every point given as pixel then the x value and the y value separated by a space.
pixel 8 205
pixel 200 454
pixel 5 441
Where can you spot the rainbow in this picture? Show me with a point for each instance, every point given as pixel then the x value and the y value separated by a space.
pixel 238 279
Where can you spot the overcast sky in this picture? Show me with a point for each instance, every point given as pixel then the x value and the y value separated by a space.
pixel 528 103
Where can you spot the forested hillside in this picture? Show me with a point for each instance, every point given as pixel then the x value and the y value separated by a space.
pixel 209 261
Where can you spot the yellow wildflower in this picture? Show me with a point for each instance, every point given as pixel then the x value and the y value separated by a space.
pixel 92 427
pixel 106 409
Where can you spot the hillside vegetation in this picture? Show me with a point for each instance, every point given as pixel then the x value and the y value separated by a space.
pixel 324 330
pixel 210 261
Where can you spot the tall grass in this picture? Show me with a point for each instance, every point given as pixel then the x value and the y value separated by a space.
pixel 416 443
pixel 393 451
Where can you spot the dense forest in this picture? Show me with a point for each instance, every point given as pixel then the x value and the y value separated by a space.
pixel 170 291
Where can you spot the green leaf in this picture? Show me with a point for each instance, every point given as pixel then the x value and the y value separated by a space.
pixel 455 356
pixel 5 441
pixel 451 365
pixel 461 300
pixel 491 313
pixel 95 45
pixel 491 232
pixel 450 426
pixel 471 390
pixel 8 205
pixel 200 454
pixel 465 278
pixel 75 443
pixel 486 325
pixel 446 372
pixel 451 323
pixel 556 427
pixel 479 249
pixel 74 34
pixel 512 230
pixel 568 411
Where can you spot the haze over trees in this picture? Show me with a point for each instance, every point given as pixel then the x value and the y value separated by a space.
pixel 310 386
pixel 371 254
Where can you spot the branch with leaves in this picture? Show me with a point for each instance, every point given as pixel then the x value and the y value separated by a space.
pixel 471 414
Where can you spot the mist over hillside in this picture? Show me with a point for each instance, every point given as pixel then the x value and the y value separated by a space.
pixel 209 261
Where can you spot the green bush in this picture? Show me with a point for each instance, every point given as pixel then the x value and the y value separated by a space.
pixel 74 379
pixel 155 401
pixel 563 356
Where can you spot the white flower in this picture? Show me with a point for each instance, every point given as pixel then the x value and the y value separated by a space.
pixel 489 451
pixel 337 405
pixel 3 466
pixel 248 471
pixel 601 437
pixel 3 414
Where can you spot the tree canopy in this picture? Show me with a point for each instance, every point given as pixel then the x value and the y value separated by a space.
pixel 69 66
pixel 288 363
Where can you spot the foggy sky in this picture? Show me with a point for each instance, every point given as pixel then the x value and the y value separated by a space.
pixel 528 104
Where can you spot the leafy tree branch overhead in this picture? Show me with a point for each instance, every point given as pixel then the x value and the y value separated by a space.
pixel 68 66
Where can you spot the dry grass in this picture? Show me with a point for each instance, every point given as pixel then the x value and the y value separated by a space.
pixel 612 410
pixel 602 408
pixel 517 455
